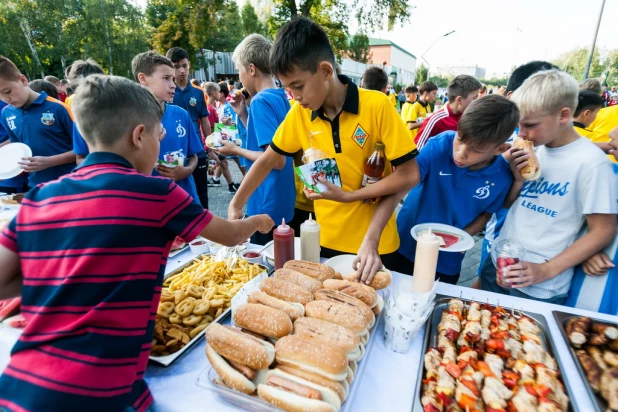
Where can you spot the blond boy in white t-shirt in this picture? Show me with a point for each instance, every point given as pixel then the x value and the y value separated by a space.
pixel 576 189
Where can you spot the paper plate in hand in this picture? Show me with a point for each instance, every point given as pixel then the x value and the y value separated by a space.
pixel 10 155
pixel 464 240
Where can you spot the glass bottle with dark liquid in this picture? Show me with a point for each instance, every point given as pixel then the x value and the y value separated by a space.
pixel 374 169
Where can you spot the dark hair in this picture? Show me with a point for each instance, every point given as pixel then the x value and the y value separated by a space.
pixel 375 78
pixel 147 63
pixel 40 85
pixel 524 71
pixel 195 82
pixel 411 89
pixel 52 79
pixel 231 82
pixel 8 70
pixel 462 85
pixel 225 91
pixel 427 87
pixel 588 100
pixel 80 69
pixel 488 121
pixel 301 44
pixel 176 54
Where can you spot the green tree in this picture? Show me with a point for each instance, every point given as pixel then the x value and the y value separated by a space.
pixel 422 74
pixel 358 49
pixel 438 80
pixel 227 32
pixel 251 22
pixel 574 63
pixel 334 16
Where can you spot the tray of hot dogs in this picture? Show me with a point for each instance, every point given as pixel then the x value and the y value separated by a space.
pixel 300 343
pixel 593 344
pixel 482 357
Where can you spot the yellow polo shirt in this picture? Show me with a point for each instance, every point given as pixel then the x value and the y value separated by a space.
pixel 606 121
pixel 393 99
pixel 67 101
pixel 418 109
pixel 406 115
pixel 367 117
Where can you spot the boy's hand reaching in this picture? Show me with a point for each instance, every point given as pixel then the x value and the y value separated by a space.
pixel 518 160
pixel 264 223
pixel 228 148
pixel 598 265
pixel 367 262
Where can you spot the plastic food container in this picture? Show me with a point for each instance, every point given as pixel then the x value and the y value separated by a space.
pixel 199 246
pixel 252 255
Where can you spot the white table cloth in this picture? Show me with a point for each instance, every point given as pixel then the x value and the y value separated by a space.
pixel 390 378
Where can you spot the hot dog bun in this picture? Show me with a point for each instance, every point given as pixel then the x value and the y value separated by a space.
pixel 230 376
pixel 312 356
pixel 293 395
pixel 293 310
pixel 284 290
pixel 299 279
pixel 379 306
pixel 364 293
pixel 263 320
pixel 315 270
pixel 381 280
pixel 338 313
pixel 339 387
pixel 533 170
pixel 332 333
pixel 352 302
pixel 239 347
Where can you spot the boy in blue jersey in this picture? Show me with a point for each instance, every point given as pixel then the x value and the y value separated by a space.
pixel 463 180
pixel 156 72
pixel 269 106
pixel 41 122
pixel 192 99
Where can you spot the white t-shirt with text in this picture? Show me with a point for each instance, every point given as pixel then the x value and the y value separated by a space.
pixel 576 180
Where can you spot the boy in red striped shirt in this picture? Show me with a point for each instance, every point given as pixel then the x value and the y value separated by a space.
pixel 462 91
pixel 88 252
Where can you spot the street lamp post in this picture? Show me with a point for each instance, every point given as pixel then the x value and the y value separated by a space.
pixel 429 48
pixel 594 41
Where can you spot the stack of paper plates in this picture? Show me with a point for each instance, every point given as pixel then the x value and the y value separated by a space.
pixel 10 155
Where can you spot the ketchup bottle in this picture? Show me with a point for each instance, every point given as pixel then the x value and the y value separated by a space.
pixel 374 168
pixel 284 244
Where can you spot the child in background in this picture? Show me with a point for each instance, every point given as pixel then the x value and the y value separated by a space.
pixel 375 78
pixel 605 122
pixel 81 286
pixel 39 86
pixel 462 91
pixel 333 115
pixel 41 122
pixel 421 108
pixel 577 187
pixel 269 106
pixel 213 95
pixel 229 116
pixel 78 70
pixel 406 108
pixel 588 107
pixel 466 169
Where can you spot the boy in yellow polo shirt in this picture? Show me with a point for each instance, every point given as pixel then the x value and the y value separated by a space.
pixel 337 117
pixel 406 110
pixel 605 122
pixel 422 107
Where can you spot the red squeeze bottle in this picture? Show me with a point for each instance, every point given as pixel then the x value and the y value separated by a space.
pixel 374 168
pixel 284 244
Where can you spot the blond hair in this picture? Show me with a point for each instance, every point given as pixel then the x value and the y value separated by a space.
pixel 254 49
pixel 547 92
pixel 106 108
pixel 210 87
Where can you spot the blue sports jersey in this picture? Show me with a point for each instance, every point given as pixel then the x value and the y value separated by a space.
pixel 276 195
pixel 46 126
pixel 450 195
pixel 192 99
pixel 80 148
pixel 18 181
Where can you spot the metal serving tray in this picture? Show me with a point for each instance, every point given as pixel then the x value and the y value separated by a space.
pixel 599 403
pixel 255 403
pixel 167 360
pixel 430 339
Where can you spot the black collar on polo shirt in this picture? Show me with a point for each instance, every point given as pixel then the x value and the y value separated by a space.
pixel 580 125
pixel 350 104
pixel 95 158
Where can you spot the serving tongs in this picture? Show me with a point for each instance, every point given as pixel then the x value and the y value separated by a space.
pixel 232 259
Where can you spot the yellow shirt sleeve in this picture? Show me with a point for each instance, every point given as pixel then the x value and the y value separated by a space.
pixel 408 116
pixel 393 99
pixel 286 138
pixel 395 136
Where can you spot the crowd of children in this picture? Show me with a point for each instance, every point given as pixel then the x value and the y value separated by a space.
pixel 119 169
